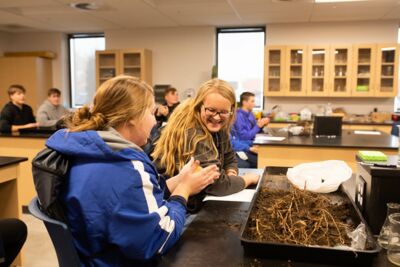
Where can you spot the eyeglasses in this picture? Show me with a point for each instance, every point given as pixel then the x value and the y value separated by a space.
pixel 213 112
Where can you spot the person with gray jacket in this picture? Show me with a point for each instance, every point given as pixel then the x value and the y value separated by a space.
pixel 51 110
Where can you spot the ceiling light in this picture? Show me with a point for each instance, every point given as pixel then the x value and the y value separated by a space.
pixel 86 6
pixel 337 1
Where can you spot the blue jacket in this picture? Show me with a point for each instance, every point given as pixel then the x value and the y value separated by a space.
pixel 240 145
pixel 245 125
pixel 113 200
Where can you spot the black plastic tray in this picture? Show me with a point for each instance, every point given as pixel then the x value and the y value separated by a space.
pixel 275 177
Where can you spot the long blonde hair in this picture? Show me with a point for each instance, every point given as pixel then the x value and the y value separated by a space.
pixel 172 149
pixel 116 101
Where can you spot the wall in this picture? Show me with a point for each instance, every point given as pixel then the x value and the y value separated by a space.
pixel 182 57
pixel 360 32
pixel 52 41
pixel 4 42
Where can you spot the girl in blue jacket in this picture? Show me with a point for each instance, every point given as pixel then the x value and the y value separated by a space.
pixel 120 210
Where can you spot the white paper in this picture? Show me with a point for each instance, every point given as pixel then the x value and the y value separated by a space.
pixel 264 137
pixel 368 132
pixel 242 155
pixel 246 195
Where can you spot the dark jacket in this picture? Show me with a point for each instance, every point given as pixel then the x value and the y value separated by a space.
pixel 225 159
pixel 13 115
pixel 163 118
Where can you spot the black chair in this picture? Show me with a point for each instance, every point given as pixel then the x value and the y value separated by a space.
pixel 60 236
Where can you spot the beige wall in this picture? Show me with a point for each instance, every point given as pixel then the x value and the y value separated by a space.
pixel 182 57
pixel 4 42
pixel 332 33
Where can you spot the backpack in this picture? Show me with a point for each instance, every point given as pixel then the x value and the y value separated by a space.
pixel 49 169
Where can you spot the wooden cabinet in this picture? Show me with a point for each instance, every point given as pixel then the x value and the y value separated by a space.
pixel 296 70
pixel 369 70
pixel 285 71
pixel 340 70
pixel 376 70
pixel 274 71
pixel 34 73
pixel 387 73
pixel 317 71
pixel 133 62
pixel 364 65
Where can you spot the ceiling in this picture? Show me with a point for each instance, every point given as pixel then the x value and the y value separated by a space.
pixel 58 15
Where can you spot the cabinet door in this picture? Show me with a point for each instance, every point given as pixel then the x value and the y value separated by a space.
pixel 340 70
pixel 364 65
pixel 317 82
pixel 274 71
pixel 296 61
pixel 107 65
pixel 131 63
pixel 386 70
pixel 137 63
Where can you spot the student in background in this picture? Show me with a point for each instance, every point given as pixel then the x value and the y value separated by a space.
pixel 171 102
pixel 121 212
pixel 246 126
pixel 13 234
pixel 199 128
pixel 246 152
pixel 51 111
pixel 16 114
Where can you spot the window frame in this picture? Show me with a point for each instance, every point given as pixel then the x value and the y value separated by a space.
pixel 76 36
pixel 247 29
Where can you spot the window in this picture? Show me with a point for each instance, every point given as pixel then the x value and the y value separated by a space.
pixel 82 71
pixel 240 60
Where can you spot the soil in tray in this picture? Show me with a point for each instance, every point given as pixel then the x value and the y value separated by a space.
pixel 299 217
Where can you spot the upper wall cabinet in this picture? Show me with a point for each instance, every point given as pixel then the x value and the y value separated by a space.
pixel 364 65
pixel 387 73
pixel 376 70
pixel 133 62
pixel 336 70
pixel 285 70
pixel 340 70
pixel 317 71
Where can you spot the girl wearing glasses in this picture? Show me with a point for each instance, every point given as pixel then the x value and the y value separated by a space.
pixel 200 128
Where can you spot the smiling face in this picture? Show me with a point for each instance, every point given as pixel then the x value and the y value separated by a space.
pixel 215 112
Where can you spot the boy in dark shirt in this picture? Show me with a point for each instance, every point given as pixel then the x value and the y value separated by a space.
pixel 171 102
pixel 16 114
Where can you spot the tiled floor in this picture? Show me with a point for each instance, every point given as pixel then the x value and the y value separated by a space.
pixel 38 250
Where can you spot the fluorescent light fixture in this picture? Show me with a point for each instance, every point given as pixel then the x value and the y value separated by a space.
pixel 337 1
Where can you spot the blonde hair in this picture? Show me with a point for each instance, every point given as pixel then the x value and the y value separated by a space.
pixel 172 149
pixel 116 101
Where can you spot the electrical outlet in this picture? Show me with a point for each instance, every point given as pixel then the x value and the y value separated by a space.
pixel 360 193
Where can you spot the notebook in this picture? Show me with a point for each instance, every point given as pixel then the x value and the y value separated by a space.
pixel 372 155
